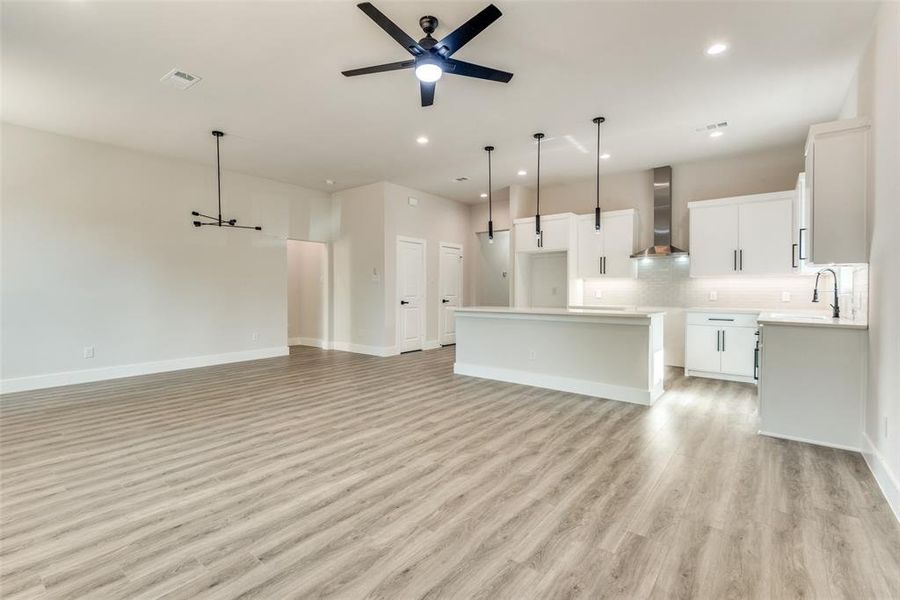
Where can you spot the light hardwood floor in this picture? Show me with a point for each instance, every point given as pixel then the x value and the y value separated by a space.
pixel 327 474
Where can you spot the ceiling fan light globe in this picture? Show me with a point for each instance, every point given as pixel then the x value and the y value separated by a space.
pixel 428 72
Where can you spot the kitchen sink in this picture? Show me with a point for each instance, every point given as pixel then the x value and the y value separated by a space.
pixel 796 317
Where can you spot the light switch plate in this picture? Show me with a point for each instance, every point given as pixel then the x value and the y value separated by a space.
pixel 714 295
pixel 88 352
pixel 413 201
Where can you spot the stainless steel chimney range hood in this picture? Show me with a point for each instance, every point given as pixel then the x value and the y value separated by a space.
pixel 662 217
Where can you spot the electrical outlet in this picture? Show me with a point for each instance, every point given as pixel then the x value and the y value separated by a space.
pixel 713 295
pixel 254 336
pixel 785 296
pixel 532 354
pixel 88 352
pixel 598 293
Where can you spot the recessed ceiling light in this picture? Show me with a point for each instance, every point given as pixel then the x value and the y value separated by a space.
pixel 605 156
pixel 522 172
pixel 717 48
pixel 422 140
pixel 483 195
pixel 329 181
pixel 716 133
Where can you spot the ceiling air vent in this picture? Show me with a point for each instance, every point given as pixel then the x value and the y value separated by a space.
pixel 180 79
pixel 712 126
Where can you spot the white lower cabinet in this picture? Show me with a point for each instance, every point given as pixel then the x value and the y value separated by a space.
pixel 721 345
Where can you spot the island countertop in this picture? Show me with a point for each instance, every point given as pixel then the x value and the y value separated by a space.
pixel 558 312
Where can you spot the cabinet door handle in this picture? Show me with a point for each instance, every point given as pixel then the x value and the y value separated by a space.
pixel 735 261
pixel 718 336
pixel 756 363
pixel 801 246
pixel 723 340
pixel 719 319
pixel 793 255
pixel 604 265
pixel 741 262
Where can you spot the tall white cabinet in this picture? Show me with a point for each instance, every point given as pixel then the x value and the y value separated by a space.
pixel 607 253
pixel 742 235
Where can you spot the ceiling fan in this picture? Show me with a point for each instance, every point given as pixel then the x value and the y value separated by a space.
pixel 431 57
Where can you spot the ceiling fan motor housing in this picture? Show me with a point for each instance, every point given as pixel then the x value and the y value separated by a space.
pixel 428 24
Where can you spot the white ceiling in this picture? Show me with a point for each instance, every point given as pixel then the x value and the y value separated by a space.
pixel 272 81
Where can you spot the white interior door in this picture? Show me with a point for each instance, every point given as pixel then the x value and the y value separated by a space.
pixel 765 236
pixel 450 291
pixel 411 294
pixel 714 240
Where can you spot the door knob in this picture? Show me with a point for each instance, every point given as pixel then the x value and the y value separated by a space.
pixel 402 302
pixel 444 301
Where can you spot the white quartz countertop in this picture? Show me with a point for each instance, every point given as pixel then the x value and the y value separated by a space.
pixel 629 313
pixel 810 320
pixel 723 311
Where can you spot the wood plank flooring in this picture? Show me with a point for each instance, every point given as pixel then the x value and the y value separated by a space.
pixel 328 474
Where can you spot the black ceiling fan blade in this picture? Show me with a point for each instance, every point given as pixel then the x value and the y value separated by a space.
pixel 463 34
pixel 395 66
pixel 411 45
pixel 427 90
pixel 459 67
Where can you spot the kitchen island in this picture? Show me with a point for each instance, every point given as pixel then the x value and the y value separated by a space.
pixel 616 354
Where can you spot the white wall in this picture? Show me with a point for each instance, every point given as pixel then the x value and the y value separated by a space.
pixel 875 93
pixel 434 219
pixel 98 250
pixel 307 301
pixel 358 263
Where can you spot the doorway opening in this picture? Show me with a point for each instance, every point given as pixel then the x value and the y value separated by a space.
pixel 308 294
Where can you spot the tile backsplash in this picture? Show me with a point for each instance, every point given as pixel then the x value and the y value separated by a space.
pixel 667 282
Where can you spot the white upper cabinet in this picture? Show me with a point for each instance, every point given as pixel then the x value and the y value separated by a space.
pixel 745 234
pixel 714 239
pixel 607 253
pixel 590 248
pixel 557 233
pixel 837 159
pixel 764 233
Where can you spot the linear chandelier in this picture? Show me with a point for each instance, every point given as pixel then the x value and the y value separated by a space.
pixel 218 221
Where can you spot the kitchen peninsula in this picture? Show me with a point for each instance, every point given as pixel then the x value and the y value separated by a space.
pixel 616 354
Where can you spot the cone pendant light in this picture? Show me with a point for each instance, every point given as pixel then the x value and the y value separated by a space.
pixel 537 214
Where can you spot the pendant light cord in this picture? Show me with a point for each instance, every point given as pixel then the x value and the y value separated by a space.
pixel 598 164
pixel 539 176
pixel 490 196
pixel 219 179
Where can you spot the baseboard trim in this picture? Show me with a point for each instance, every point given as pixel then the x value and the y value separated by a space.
pixel 794 438
pixel 563 384
pixel 50 380
pixel 364 349
pixel 308 341
pixel 881 471
pixel 721 376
